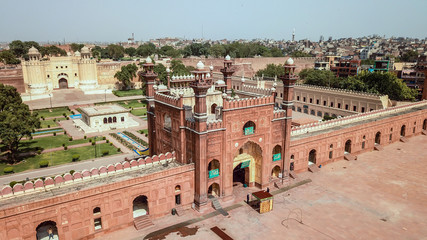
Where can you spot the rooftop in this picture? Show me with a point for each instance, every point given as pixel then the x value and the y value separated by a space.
pixel 103 110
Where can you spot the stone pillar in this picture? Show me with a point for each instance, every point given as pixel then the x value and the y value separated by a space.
pixel 149 77
pixel 227 71
pixel 288 80
pixel 200 85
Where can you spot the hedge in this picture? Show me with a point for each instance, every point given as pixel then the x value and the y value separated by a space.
pixel 8 170
pixel 44 163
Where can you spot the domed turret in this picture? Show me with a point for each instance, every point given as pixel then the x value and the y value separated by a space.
pixel 200 65
pixel 85 50
pixel 290 61
pixel 33 51
pixel 77 54
pixel 148 60
pixel 227 58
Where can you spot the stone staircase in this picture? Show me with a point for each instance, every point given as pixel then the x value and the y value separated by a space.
pixel 378 147
pixel 217 206
pixel 180 210
pixel 350 157
pixel 313 168
pixel 403 139
pixel 424 132
pixel 142 222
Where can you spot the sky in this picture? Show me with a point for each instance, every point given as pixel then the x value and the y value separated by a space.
pixel 112 21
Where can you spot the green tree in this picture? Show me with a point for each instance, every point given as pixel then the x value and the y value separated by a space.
pixel 160 69
pixel 16 120
pixel 217 50
pixel 52 51
pixel 178 68
pixel 7 57
pixel 76 47
pixel 276 52
pixel 18 48
pixel 197 49
pixel 146 50
pixel 319 77
pixel 131 51
pixel 271 70
pixel 126 74
pixel 409 56
pixel 115 51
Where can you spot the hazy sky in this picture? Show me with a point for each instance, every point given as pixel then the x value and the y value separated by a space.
pixel 107 20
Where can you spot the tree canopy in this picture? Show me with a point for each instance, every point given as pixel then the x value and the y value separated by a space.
pixel 146 50
pixel 76 47
pixel 16 120
pixel 7 57
pixel 271 70
pixel 131 51
pixel 115 51
pixel 126 74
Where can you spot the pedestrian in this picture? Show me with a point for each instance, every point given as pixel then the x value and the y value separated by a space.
pixel 50 232
pixel 268 190
pixel 247 198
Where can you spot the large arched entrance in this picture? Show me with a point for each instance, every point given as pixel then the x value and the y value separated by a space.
pixel 312 157
pixel 140 206
pixel 63 83
pixel 247 165
pixel 275 172
pixel 378 138
pixel 347 148
pixel 45 228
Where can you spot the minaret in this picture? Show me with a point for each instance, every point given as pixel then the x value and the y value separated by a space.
pixel 149 77
pixel 227 71
pixel 288 80
pixel 202 82
pixel 293 35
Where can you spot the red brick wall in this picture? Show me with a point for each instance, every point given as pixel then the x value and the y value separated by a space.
pixel 13 77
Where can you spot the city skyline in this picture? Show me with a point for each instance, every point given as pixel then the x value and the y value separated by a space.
pixel 111 21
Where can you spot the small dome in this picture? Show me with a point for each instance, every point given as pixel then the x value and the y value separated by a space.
pixel 224 95
pixel 181 93
pixel 77 54
pixel 200 65
pixel 211 67
pixel 236 97
pixel 155 87
pixel 274 84
pixel 227 58
pixel 220 82
pixel 148 60
pixel 162 87
pixel 243 79
pixel 85 50
pixel 168 70
pixel 273 89
pixel 290 61
pixel 33 50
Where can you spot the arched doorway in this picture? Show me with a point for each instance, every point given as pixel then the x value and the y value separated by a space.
pixel 275 171
pixel 213 190
pixel 247 165
pixel 63 83
pixel 312 157
pixel 347 148
pixel 378 138
pixel 213 107
pixel 140 206
pixel 403 131
pixel 425 124
pixel 45 228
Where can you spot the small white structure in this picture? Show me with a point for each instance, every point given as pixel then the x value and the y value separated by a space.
pixel 104 118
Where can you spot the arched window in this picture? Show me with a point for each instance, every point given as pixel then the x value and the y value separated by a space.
pixel 167 124
pixel 347 148
pixel 403 131
pixel 277 153
pixel 177 188
pixel 213 107
pixel 306 110
pixel 114 119
pixel 312 157
pixel 140 206
pixel 425 124
pixel 331 153
pixel 378 138
pixel 213 168
pixel 105 120
pixel 249 128
pixel 110 120
pixel 312 112
pixel 319 113
pixel 96 210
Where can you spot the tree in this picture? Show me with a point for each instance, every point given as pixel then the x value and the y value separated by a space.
pixel 409 56
pixel 131 51
pixel 178 68
pixel 271 70
pixel 126 74
pixel 7 57
pixel 217 51
pixel 276 52
pixel 115 51
pixel 18 48
pixel 146 50
pixel 169 51
pixel 16 120
pixel 76 47
pixel 197 49
pixel 319 77
pixel 52 51
pixel 160 69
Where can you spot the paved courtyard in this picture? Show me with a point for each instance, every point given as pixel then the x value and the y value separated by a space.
pixel 382 195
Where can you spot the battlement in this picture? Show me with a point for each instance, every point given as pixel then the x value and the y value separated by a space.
pixel 86 175
pixel 182 78
pixel 257 90
pixel 338 90
pixel 247 102
pixel 312 127
pixel 279 113
pixel 214 124
pixel 171 100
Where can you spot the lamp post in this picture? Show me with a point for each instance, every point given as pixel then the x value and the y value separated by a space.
pixel 50 98
pixel 29 90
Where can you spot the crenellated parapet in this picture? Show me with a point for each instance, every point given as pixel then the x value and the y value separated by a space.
pixel 247 102
pixel 257 90
pixel 168 99
pixel 338 90
pixel 48 183
pixel 312 127
pixel 214 124
pixel 279 113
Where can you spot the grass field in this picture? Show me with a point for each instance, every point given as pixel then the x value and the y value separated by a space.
pixel 56 112
pixel 139 112
pixel 143 131
pixel 50 142
pixel 50 122
pixel 131 104
pixel 61 157
pixel 126 93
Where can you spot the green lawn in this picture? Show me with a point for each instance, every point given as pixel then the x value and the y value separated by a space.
pixel 126 93
pixel 131 104
pixel 50 142
pixel 139 112
pixel 143 131
pixel 56 112
pixel 50 122
pixel 61 157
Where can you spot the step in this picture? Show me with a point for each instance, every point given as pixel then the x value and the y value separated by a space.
pixel 350 157
pixel 378 147
pixel 293 175
pixel 180 210
pixel 217 206
pixel 424 132
pixel 313 168
pixel 142 222
pixel 403 139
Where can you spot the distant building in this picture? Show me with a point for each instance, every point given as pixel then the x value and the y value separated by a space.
pixel 346 68
pixel 383 66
